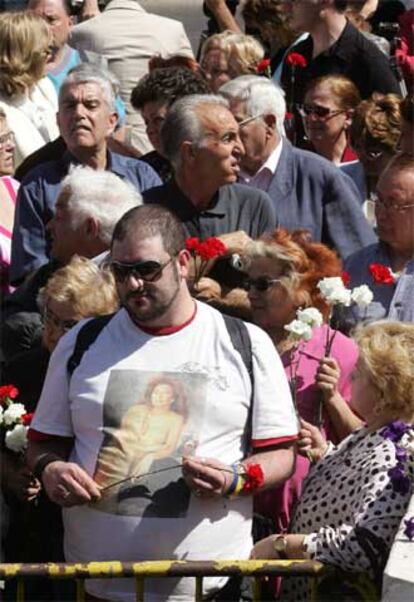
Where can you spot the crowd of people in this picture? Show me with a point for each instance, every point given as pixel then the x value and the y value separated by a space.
pixel 207 281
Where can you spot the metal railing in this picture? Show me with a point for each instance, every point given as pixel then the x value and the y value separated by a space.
pixel 256 569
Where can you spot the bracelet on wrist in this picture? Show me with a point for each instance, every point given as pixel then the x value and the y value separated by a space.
pixel 246 479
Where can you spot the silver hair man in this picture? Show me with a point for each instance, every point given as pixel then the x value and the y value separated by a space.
pixel 260 95
pixel 98 194
pixel 183 124
pixel 90 73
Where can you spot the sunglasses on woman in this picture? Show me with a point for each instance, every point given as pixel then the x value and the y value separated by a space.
pixel 261 284
pixel 322 112
pixel 148 271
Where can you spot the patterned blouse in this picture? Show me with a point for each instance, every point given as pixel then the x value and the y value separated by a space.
pixel 351 504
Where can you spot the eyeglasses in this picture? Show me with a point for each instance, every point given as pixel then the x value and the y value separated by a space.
pixel 7 138
pixel 249 119
pixel 148 271
pixel 261 284
pixel 380 205
pixel 322 112
pixel 50 317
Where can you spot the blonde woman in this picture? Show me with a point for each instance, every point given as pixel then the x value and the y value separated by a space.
pixel 27 97
pixel 227 55
pixel 356 495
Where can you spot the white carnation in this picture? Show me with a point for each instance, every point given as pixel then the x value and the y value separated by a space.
pixel 299 330
pixel 334 291
pixel 16 439
pixel 13 413
pixel 1 415
pixel 310 316
pixel 362 295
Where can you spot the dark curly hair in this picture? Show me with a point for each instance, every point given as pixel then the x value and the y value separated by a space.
pixel 167 84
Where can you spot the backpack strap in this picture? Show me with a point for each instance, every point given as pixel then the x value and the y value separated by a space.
pixel 86 336
pixel 241 341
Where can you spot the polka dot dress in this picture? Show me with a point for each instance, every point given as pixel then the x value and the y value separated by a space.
pixel 347 490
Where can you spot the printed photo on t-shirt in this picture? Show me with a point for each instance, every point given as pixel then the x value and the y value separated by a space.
pixel 150 421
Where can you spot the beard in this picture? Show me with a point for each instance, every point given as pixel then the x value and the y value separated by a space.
pixel 146 305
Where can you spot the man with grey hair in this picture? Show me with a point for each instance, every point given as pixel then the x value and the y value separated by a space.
pixel 307 191
pixel 200 138
pixel 86 119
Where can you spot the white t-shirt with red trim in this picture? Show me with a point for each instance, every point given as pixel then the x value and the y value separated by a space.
pixel 135 405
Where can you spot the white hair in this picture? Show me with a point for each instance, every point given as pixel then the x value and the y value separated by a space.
pixel 98 194
pixel 86 73
pixel 260 95
pixel 183 124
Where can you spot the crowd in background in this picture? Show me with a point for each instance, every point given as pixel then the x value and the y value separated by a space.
pixel 288 134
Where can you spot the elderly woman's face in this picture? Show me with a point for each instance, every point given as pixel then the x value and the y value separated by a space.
pixel 329 127
pixel 215 68
pixel 364 394
pixel 58 318
pixel 7 147
pixel 271 308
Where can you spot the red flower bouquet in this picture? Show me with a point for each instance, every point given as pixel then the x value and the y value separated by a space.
pixel 381 274
pixel 202 252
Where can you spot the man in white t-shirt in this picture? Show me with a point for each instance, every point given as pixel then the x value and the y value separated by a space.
pixel 129 444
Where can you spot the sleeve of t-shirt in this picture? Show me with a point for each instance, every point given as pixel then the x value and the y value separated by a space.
pixel 53 415
pixel 274 416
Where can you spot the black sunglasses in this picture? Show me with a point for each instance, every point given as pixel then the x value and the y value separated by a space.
pixel 261 284
pixel 305 109
pixel 148 271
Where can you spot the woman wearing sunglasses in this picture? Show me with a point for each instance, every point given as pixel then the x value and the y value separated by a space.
pixel 330 103
pixel 283 272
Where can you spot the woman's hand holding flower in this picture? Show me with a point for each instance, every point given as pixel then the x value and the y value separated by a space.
pixel 327 378
pixel 311 443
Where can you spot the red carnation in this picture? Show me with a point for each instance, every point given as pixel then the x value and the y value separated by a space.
pixel 27 418
pixel 8 392
pixel 346 278
pixel 294 59
pixel 263 66
pixel 254 478
pixel 192 244
pixel 211 247
pixel 381 274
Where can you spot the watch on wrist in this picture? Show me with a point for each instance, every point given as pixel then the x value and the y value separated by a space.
pixel 280 546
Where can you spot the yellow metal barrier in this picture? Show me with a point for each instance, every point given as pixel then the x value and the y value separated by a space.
pixel 161 569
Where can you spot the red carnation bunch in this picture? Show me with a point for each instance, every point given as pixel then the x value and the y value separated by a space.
pixel 381 274
pixel 294 59
pixel 202 252
pixel 263 68
pixel 254 478
pixel 7 393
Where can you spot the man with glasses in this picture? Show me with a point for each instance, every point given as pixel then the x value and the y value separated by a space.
pixel 191 503
pixel 394 211
pixel 307 191
pixel 333 46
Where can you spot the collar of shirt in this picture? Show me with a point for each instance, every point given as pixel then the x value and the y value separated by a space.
pixel 114 163
pixel 186 209
pixel 264 175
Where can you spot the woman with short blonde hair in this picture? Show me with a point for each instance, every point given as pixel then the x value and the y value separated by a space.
pixel 27 97
pixel 227 55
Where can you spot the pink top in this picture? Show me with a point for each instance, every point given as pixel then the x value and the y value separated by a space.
pixel 8 193
pixel 278 503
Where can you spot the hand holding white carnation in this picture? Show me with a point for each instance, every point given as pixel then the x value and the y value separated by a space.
pixel 16 439
pixel 13 413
